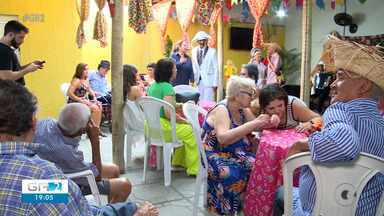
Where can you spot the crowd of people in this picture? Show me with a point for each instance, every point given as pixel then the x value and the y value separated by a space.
pixel 254 101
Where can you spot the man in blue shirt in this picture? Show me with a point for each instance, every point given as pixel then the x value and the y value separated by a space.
pixel 352 124
pixel 99 82
pixel 19 161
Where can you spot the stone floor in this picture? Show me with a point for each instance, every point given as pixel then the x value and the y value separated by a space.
pixel 173 200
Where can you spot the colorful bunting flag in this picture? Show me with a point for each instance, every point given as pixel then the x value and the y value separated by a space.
pixel 299 4
pixel 320 4
pixel 333 4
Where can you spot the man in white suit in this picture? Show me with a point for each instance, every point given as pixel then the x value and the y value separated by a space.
pixel 205 68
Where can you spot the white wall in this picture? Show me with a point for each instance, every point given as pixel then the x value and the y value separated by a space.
pixel 322 24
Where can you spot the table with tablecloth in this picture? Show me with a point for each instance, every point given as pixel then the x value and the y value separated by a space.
pixel 266 175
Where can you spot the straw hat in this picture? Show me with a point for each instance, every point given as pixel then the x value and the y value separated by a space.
pixel 366 61
pixel 201 35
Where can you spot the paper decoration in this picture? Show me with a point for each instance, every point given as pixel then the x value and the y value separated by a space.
pixel 245 10
pixel 139 14
pixel 258 9
pixel 160 13
pixel 340 2
pixel 333 4
pixel 320 4
pixel 204 10
pixel 82 7
pixel 100 27
pixel 299 4
pixel 185 10
pixel 285 4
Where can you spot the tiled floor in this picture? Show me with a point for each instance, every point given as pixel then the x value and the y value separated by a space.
pixel 173 200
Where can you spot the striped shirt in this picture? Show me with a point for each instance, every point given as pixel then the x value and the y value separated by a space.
pixel 349 128
pixel 19 161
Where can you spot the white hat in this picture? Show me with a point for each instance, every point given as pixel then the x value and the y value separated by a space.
pixel 201 35
pixel 320 63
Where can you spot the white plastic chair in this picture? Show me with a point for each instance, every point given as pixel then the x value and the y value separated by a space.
pixel 154 133
pixel 64 89
pixel 191 112
pixel 98 199
pixel 185 88
pixel 338 185
pixel 134 127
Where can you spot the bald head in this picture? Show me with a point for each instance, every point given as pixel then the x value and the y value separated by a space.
pixel 74 117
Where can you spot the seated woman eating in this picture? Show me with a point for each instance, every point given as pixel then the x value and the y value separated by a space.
pixel 186 156
pixel 79 91
pixel 292 111
pixel 227 148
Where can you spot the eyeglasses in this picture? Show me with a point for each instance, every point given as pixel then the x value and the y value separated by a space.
pixel 250 94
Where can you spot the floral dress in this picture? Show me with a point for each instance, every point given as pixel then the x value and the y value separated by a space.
pixel 228 170
pixel 80 92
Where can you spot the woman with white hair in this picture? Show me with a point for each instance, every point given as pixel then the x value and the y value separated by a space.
pixel 227 148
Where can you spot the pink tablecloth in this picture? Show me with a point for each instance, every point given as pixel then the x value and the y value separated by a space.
pixel 266 175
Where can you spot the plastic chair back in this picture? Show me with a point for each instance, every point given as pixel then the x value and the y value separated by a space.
pixel 151 107
pixel 338 185
pixel 64 89
pixel 133 117
pixel 191 112
pixel 99 200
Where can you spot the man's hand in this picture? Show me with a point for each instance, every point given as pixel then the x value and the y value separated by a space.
pixel 93 133
pixel 299 146
pixel 31 68
pixel 39 63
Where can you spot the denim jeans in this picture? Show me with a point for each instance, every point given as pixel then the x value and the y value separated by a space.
pixel 119 209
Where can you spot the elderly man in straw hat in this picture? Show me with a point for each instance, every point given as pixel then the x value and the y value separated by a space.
pixel 352 124
pixel 205 68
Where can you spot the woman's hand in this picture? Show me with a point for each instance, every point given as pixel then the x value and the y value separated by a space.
pixel 262 121
pixel 305 127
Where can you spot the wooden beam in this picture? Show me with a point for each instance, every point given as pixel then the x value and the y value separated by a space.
pixel 306 41
pixel 117 86
pixel 220 56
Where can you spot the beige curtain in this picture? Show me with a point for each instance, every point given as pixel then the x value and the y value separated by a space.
pixel 160 13
pixel 82 7
pixel 185 10
pixel 100 27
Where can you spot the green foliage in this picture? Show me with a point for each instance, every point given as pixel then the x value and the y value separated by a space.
pixel 291 61
pixel 168 47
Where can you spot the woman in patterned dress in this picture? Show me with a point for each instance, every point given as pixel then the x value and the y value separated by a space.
pixel 80 92
pixel 227 147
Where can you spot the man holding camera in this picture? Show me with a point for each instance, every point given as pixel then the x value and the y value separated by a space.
pixel 10 68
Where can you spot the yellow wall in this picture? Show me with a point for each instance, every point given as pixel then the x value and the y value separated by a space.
pixel 53 40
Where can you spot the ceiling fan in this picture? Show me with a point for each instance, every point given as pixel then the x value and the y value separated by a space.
pixel 346 20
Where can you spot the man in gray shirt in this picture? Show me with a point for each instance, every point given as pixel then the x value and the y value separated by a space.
pixel 60 141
